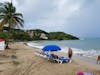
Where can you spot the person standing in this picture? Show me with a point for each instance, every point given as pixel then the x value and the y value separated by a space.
pixel 98 59
pixel 70 53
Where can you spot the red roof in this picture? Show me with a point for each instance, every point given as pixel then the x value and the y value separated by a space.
pixel 1 39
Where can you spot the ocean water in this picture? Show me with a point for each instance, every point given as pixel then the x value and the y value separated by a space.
pixel 87 47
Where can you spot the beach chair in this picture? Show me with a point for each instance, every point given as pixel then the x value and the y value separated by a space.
pixel 60 60
pixel 63 59
pixel 84 73
pixel 55 58
pixel 88 73
pixel 41 55
pixel 52 58
pixel 49 56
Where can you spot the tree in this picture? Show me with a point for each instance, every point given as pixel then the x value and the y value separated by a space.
pixel 9 16
pixel 20 35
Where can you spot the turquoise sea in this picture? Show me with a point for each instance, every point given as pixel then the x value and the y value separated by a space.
pixel 89 47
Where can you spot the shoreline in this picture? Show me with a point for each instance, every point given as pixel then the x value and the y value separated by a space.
pixel 79 56
pixel 91 53
pixel 27 63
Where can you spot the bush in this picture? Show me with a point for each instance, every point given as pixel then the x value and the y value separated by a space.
pixel 4 35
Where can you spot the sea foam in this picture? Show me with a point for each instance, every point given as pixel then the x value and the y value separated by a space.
pixel 76 51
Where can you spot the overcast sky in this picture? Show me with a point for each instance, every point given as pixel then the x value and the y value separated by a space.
pixel 78 17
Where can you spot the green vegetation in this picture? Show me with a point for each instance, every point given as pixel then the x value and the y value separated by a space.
pixel 12 19
pixel 61 36
pixel 4 35
pixel 51 36
pixel 9 17
pixel 21 35
pixel 16 62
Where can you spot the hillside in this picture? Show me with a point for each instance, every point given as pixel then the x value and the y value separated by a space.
pixel 36 34
pixel 61 36
pixel 39 34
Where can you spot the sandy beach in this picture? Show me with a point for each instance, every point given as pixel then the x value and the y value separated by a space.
pixel 20 59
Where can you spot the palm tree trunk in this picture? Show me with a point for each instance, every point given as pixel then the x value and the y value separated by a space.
pixel 7 41
pixel 7 46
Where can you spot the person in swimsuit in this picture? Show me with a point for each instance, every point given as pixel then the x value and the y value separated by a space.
pixel 98 59
pixel 70 53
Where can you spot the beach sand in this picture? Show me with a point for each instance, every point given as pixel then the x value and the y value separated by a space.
pixel 21 60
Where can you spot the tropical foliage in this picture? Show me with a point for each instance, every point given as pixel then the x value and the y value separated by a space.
pixel 61 36
pixel 15 35
pixel 4 35
pixel 52 35
pixel 12 19
pixel 20 35
pixel 9 16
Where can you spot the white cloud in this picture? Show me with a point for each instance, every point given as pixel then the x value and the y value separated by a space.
pixel 14 1
pixel 57 18
pixel 52 15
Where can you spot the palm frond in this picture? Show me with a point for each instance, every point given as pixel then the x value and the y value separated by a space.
pixel 1 4
pixel 13 19
pixel 20 19
pixel 18 15
pixel 1 16
pixel 4 21
pixel 20 22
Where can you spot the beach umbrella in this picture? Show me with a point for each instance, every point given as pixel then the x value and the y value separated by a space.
pixel 51 48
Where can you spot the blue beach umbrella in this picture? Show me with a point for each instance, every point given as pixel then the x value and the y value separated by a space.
pixel 51 48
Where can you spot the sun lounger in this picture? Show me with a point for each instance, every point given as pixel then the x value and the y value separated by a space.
pixel 84 73
pixel 88 73
pixel 60 60
pixel 41 55
pixel 53 57
pixel 63 59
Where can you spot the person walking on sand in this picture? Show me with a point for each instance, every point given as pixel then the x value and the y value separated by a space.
pixel 70 53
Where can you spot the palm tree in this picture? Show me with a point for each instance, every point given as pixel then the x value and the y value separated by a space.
pixel 9 17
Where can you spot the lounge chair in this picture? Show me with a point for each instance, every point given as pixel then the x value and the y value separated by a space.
pixel 63 59
pixel 60 60
pixel 84 73
pixel 88 73
pixel 41 55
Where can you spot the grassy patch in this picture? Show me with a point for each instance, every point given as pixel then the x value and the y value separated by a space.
pixel 16 62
